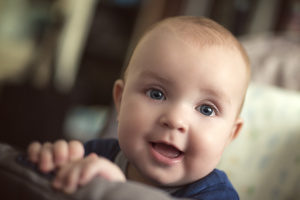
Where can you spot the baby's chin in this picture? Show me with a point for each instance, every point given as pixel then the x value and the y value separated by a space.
pixel 168 180
pixel 159 179
pixel 171 180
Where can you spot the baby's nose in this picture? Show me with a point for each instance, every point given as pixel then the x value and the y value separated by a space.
pixel 174 119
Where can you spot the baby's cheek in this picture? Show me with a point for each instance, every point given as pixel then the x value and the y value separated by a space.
pixel 131 122
pixel 202 156
pixel 137 114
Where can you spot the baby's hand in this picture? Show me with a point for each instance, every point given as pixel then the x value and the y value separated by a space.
pixel 81 172
pixel 50 156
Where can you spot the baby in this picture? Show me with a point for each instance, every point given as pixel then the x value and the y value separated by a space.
pixel 178 105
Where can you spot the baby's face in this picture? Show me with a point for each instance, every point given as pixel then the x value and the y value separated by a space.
pixel 178 107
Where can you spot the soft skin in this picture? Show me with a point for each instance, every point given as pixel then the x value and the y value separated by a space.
pixel 72 169
pixel 182 95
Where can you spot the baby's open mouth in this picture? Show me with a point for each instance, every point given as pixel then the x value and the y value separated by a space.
pixel 167 150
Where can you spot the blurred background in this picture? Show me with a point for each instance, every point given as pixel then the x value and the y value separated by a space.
pixel 59 60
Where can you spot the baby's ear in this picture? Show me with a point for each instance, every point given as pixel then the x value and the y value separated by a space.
pixel 236 129
pixel 117 93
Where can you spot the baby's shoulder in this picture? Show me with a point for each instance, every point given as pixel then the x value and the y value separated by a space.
pixel 215 185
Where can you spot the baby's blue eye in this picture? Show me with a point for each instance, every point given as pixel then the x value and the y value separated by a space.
pixel 155 94
pixel 206 110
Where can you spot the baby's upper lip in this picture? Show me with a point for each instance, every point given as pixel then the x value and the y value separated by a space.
pixel 169 144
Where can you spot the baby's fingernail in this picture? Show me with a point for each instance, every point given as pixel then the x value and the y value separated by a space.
pixel 56 184
pixel 82 180
pixel 60 161
pixel 33 159
pixel 69 190
pixel 44 168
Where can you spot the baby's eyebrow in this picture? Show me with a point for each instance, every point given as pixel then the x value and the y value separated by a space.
pixel 156 76
pixel 218 94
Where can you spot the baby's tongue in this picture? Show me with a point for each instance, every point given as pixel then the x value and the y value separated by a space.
pixel 167 150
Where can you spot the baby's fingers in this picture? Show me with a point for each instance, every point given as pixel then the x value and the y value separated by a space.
pixel 65 152
pixel 96 166
pixel 76 150
pixel 46 162
pixel 33 151
pixel 60 151
pixel 67 178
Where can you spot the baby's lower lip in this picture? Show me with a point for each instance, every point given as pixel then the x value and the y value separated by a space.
pixel 165 154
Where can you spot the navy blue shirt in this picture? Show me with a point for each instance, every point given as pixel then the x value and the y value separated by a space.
pixel 214 186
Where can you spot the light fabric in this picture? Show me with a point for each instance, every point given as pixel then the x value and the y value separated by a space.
pixel 264 161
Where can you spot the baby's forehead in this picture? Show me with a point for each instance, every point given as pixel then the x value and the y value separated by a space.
pixel 198 33
pixel 198 37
